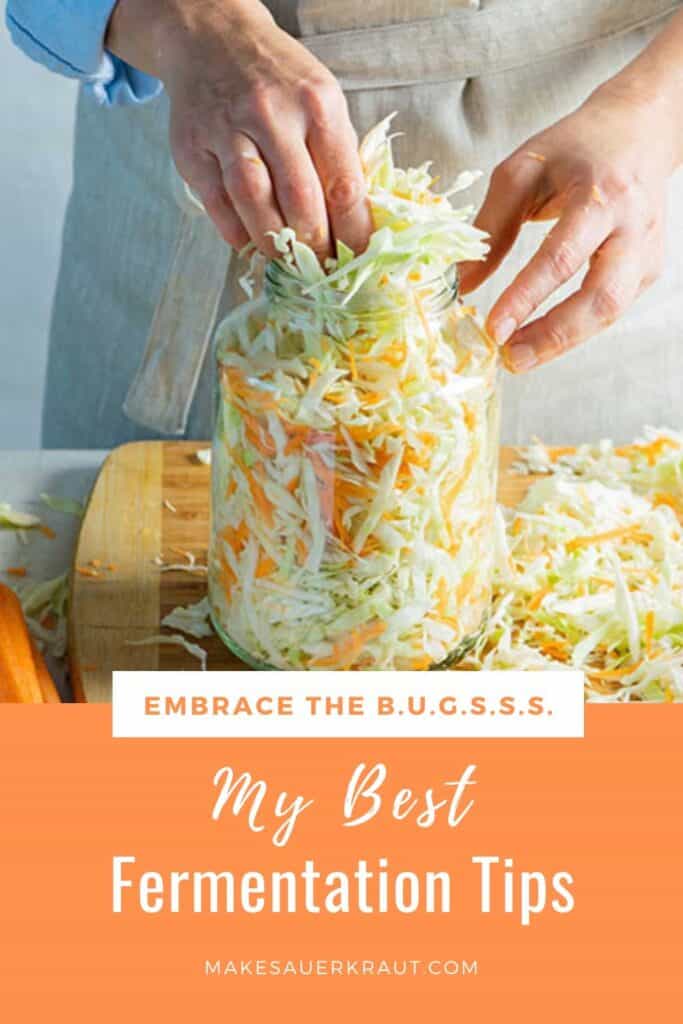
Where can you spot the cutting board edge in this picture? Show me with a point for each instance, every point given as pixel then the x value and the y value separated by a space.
pixel 75 661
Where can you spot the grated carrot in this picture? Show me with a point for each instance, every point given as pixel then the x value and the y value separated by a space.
pixel 258 436
pixel 464 587
pixel 614 674
pixel 469 416
pixel 447 620
pixel 266 567
pixel 597 196
pixel 659 499
pixel 556 453
pixel 538 599
pixel 325 479
pixel 600 538
pixel 239 389
pixel 341 531
pixel 258 494
pixel 442 596
pixel 464 362
pixel 347 650
pixel 651 451
pixel 649 632
pixel 449 496
pixel 554 649
pixel 371 433
pixel 301 549
pixel 236 537
pixel 352 361
pixel 226 575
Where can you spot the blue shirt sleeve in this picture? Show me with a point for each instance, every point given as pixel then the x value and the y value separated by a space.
pixel 67 36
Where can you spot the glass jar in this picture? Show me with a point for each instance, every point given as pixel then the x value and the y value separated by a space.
pixel 353 478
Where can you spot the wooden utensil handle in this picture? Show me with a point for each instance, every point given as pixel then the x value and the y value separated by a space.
pixel 162 390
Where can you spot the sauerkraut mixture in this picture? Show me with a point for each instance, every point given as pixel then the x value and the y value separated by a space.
pixel 590 570
pixel 356 445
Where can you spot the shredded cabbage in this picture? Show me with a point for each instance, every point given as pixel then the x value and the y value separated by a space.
pixel 190 566
pixel 46 608
pixel 192 619
pixel 589 573
pixel 173 641
pixel 355 450
pixel 11 519
pixel 69 506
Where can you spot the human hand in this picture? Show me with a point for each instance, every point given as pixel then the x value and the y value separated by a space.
pixel 259 129
pixel 602 173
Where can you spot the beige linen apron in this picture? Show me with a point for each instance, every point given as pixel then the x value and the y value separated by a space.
pixel 471 81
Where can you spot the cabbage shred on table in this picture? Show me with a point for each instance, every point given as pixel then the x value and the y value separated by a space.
pixel 590 570
pixel 354 457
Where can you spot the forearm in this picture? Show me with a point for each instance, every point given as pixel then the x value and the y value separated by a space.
pixel 147 33
pixel 655 80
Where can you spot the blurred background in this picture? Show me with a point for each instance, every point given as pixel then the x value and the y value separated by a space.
pixel 37 117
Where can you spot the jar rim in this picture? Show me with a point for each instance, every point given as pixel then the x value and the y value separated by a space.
pixel 435 294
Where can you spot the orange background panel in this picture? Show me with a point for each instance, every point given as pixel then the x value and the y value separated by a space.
pixel 607 808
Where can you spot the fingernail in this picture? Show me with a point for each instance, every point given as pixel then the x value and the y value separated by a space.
pixel 503 330
pixel 520 358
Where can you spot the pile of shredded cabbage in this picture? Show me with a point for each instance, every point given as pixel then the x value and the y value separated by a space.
pixel 589 570
pixel 44 603
pixel 356 443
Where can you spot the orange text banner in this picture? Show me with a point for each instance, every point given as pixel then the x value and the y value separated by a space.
pixel 605 810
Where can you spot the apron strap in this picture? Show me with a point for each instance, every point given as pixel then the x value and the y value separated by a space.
pixel 470 43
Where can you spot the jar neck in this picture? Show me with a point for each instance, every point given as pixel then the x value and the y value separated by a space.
pixel 286 293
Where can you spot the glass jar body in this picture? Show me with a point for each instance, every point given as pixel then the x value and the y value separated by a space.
pixel 353 486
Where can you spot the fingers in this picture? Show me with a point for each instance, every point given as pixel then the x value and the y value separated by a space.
pixel 203 175
pixel 248 184
pixel 579 233
pixel 334 149
pixel 510 200
pixel 613 282
pixel 223 214
pixel 298 190
pixel 282 153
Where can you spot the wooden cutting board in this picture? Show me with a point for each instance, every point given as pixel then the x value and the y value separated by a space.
pixel 151 499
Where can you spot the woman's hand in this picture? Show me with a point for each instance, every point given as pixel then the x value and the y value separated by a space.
pixel 259 128
pixel 602 174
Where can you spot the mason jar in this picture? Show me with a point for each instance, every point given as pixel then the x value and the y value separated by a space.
pixel 353 477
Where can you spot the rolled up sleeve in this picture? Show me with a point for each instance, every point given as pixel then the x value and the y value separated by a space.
pixel 67 36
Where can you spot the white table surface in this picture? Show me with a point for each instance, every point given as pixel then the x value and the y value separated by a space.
pixel 24 475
